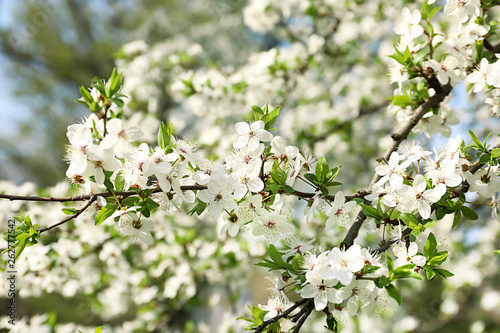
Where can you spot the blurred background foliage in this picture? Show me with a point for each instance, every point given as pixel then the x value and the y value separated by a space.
pixel 50 48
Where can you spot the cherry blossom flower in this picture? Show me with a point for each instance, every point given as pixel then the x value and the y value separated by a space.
pixel 118 137
pixel 446 69
pixel 282 151
pixel 341 264
pixel 483 75
pixel 355 293
pixel 233 222
pixel 461 9
pixel 218 195
pixel 297 246
pixel 485 182
pixel 322 291
pixel 408 256
pixel 392 171
pixel 340 212
pixel 251 135
pixel 408 24
pixel 275 306
pixel 412 152
pixel 139 228
pixel 418 198
pixel 272 226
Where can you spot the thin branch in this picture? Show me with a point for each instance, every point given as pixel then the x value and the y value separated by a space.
pixel 74 216
pixel 304 314
pixel 463 189
pixel 397 138
pixel 403 133
pixel 90 196
pixel 284 314
pixel 387 245
pixel 363 111
pixel 304 195
pixel 492 48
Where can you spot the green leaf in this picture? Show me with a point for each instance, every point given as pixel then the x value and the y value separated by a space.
pixel 119 181
pixel 402 100
pixel 70 211
pixel 109 185
pixel 469 213
pixel 476 140
pixel 430 247
pixel 485 158
pixel 371 211
pixel 382 281
pixel 430 272
pixel 443 273
pixel 441 212
pixel 456 219
pixel 370 269
pixel 411 221
pixel 271 117
pixel 198 209
pixel 131 201
pixel 393 291
pixel 297 262
pixel 404 271
pixel 257 112
pixel 495 153
pixel 104 213
pixel 150 204
pixel 321 170
pixel 390 262
pixel 99 329
pixel 434 12
pixel 165 133
pixel 438 258
pixel 331 323
pixel 86 94
pixel 311 177
pixel 496 251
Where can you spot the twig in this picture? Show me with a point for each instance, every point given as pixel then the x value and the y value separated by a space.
pixel 397 138
pixel 74 216
pixel 303 315
pixel 90 196
pixel 284 314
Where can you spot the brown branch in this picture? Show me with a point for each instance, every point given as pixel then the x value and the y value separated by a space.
pixel 284 314
pixel 303 315
pixel 492 48
pixel 463 189
pixel 90 196
pixel 304 195
pixel 74 216
pixel 397 138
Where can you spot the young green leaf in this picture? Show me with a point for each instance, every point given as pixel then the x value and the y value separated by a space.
pixel 393 291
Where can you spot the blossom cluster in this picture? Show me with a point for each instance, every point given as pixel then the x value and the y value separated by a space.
pixel 253 190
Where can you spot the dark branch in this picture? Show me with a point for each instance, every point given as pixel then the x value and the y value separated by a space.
pixel 74 216
pixel 302 316
pixel 397 138
pixel 284 314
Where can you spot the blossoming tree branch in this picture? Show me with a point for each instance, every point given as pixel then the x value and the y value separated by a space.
pixel 256 185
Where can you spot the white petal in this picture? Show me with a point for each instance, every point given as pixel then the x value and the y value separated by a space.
pixel 145 237
pixel 320 301
pixel 242 128
pixel 308 291
pixel 352 306
pixel 413 249
pixel 240 142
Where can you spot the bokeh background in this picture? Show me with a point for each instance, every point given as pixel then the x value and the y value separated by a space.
pixel 201 64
